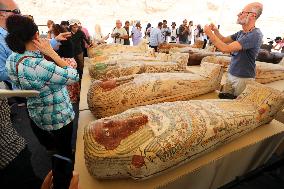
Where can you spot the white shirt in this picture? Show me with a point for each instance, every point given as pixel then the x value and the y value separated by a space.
pixel 122 32
pixel 173 38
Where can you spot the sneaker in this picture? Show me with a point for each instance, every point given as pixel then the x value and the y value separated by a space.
pixel 226 96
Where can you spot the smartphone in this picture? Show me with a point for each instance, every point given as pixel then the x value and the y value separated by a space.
pixel 62 171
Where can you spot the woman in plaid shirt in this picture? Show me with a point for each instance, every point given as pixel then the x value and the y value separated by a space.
pixel 51 113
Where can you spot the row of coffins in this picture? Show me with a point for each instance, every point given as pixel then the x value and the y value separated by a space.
pixel 152 126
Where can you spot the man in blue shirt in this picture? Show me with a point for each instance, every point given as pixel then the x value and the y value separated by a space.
pixel 243 45
pixel 156 37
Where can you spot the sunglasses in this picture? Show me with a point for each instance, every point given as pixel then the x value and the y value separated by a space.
pixel 15 11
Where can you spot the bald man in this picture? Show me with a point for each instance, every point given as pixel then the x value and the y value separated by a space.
pixel 243 46
pixel 119 34
pixel 7 8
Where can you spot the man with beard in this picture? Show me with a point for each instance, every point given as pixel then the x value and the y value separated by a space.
pixel 243 46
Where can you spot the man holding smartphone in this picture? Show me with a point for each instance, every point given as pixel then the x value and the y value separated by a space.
pixel 244 47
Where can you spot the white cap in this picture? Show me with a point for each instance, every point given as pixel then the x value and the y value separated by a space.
pixel 74 21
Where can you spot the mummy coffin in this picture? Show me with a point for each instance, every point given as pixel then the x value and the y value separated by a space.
pixel 149 140
pixel 265 72
pixel 221 60
pixel 166 47
pixel 115 56
pixel 271 57
pixel 114 96
pixel 195 57
pixel 117 48
pixel 129 66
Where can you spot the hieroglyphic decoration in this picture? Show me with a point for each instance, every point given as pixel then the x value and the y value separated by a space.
pixel 265 72
pixel 106 49
pixel 149 140
pixel 125 65
pixel 109 97
pixel 166 47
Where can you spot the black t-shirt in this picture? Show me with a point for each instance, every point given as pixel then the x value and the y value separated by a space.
pixel 78 39
pixel 127 41
pixel 66 49
pixel 183 37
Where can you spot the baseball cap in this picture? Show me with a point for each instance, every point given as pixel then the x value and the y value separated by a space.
pixel 74 21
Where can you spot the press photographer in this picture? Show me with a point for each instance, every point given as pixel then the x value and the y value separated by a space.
pixel 174 33
pixel 119 33
pixel 165 31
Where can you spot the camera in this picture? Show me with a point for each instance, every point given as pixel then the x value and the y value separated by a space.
pixel 173 38
pixel 117 35
pixel 168 33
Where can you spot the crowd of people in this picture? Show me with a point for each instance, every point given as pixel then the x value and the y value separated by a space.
pixel 54 67
pixel 184 34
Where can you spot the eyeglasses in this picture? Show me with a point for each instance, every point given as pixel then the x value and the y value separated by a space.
pixel 243 12
pixel 15 11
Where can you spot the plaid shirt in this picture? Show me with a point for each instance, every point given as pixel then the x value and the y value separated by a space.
pixel 52 109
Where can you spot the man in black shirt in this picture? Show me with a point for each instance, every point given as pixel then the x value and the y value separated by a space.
pixel 127 41
pixel 183 33
pixel 78 38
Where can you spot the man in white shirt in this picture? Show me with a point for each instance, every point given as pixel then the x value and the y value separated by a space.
pixel 174 33
pixel 165 30
pixel 119 33
pixel 190 25
pixel 156 37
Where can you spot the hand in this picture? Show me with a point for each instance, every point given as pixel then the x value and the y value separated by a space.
pixel 63 36
pixel 74 184
pixel 208 31
pixel 43 45
pixel 47 183
pixel 213 27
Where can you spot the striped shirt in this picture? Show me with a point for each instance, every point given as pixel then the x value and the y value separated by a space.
pixel 52 109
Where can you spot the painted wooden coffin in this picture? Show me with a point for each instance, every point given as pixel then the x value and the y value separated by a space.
pixel 114 96
pixel 104 49
pixel 149 140
pixel 265 72
pixel 271 57
pixel 166 47
pixel 128 66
